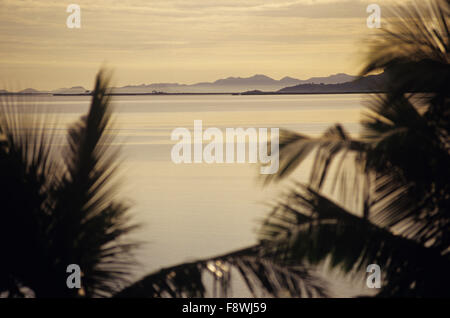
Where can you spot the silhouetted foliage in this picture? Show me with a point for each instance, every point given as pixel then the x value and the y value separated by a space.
pixel 392 182
pixel 392 206
pixel 59 208
pixel 261 275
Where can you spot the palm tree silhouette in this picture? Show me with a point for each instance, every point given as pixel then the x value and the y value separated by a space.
pixel 392 206
pixel 60 210
pixel 388 197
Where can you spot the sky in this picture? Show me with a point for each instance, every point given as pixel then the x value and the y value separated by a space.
pixel 184 41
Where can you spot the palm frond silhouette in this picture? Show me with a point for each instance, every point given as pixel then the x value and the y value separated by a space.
pixel 393 194
pixel 260 272
pixel 58 211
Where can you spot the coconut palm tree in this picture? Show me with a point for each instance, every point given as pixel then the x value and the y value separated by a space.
pixel 60 208
pixel 383 197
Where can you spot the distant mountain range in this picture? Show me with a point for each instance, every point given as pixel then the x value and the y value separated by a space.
pixel 24 91
pixel 233 84
pixel 366 84
pixel 227 85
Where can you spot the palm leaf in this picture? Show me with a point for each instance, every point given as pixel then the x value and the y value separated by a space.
pixel 27 175
pixel 61 210
pixel 259 272
pixel 310 228
pixel 401 162
pixel 87 221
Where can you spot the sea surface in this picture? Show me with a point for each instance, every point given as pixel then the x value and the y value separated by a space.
pixel 193 211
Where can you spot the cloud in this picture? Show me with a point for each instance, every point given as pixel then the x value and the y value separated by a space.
pixel 209 36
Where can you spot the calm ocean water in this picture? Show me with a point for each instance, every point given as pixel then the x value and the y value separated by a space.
pixel 191 211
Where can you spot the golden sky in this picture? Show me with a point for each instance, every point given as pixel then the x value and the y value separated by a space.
pixel 185 41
